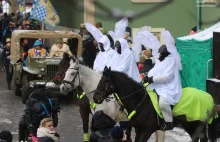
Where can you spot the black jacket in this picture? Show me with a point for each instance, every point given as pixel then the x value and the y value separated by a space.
pixel 101 123
pixel 5 54
pixel 45 139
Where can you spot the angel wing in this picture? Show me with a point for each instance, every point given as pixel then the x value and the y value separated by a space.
pixel 96 33
pixel 120 27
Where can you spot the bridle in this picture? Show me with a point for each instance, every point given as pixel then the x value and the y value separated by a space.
pixel 74 78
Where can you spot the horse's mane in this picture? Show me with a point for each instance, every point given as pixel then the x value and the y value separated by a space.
pixel 126 77
pixel 89 70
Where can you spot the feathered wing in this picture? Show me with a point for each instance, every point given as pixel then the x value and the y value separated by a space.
pixel 148 40
pixel 96 33
pixel 120 28
pixel 112 34
pixel 170 43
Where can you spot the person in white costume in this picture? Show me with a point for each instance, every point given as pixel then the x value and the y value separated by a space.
pixel 105 51
pixel 124 60
pixel 164 78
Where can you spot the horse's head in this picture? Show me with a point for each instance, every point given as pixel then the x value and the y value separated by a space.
pixel 63 66
pixel 105 87
pixel 71 79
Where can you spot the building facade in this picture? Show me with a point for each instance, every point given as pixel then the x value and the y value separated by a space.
pixel 178 17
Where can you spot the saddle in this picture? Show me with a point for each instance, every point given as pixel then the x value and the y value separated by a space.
pixel 194 104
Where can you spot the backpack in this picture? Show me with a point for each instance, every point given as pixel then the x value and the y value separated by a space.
pixel 102 138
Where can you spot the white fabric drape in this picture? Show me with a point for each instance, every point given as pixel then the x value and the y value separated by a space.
pixel 125 62
pixel 166 79
pixel 170 43
pixel 147 39
pixel 103 58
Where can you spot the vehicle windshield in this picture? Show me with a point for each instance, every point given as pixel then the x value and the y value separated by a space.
pixel 45 48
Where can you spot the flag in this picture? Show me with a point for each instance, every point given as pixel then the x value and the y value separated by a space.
pixel 22 6
pixel 45 12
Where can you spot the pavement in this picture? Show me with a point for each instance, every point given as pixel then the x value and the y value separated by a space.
pixel 70 123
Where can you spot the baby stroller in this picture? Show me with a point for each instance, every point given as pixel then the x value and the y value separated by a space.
pixel 41 104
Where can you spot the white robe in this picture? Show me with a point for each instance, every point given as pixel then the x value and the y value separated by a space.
pixel 166 80
pixel 103 58
pixel 125 62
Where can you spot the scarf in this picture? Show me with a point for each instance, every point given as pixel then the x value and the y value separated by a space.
pixel 44 132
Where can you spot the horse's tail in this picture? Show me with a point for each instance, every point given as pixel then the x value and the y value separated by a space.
pixel 213 129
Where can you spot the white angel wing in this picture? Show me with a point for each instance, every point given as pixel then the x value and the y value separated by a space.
pixel 120 27
pixel 96 33
pixel 169 40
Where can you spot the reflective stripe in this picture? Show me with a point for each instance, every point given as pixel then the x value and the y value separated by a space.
pixel 81 96
pixel 118 98
pixel 86 137
pixel 93 105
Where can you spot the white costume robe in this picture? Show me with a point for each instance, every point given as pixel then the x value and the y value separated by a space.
pixel 125 62
pixel 166 80
pixel 103 58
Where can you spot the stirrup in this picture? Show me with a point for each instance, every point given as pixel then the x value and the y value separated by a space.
pixel 166 126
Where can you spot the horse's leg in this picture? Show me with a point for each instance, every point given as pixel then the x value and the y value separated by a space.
pixel 84 109
pixel 145 135
pixel 160 136
pixel 137 131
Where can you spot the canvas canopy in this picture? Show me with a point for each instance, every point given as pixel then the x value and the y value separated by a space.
pixel 36 34
pixel 195 52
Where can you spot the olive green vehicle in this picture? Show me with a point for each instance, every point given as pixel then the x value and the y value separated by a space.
pixel 41 70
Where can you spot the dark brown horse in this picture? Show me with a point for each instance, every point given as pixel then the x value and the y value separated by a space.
pixel 145 120
pixel 83 103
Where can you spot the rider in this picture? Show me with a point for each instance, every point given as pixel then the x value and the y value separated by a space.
pixel 123 60
pixel 104 56
pixel 165 79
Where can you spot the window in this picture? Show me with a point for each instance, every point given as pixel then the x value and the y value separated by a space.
pixel 147 1
pixel 5 7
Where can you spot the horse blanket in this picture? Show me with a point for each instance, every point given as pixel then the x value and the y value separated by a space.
pixel 194 104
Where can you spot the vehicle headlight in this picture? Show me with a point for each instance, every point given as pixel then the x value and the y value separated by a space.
pixel 42 69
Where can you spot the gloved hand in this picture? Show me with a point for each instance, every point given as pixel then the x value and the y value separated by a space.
pixel 148 79
pixel 8 57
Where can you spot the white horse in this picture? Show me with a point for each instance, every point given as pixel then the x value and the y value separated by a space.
pixel 80 75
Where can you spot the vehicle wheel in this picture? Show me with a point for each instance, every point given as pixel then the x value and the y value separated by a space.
pixel 22 130
pixel 25 89
pixel 55 119
pixel 17 89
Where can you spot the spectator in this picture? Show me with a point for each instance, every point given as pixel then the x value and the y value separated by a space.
pixel 45 132
pixel 6 58
pixel 7 32
pixel 28 26
pixel 101 127
pixel 118 135
pixel 5 136
pixel 99 26
pixel 33 25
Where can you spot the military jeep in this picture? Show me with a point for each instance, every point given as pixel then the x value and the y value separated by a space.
pixel 41 70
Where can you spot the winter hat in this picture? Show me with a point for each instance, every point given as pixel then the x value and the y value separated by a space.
pixel 59 41
pixel 6 135
pixel 37 42
pixel 117 133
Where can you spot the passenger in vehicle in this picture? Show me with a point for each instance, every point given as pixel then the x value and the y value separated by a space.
pixel 44 45
pixel 58 49
pixel 37 51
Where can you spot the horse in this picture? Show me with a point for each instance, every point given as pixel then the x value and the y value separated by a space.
pixel 110 109
pixel 81 75
pixel 145 118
